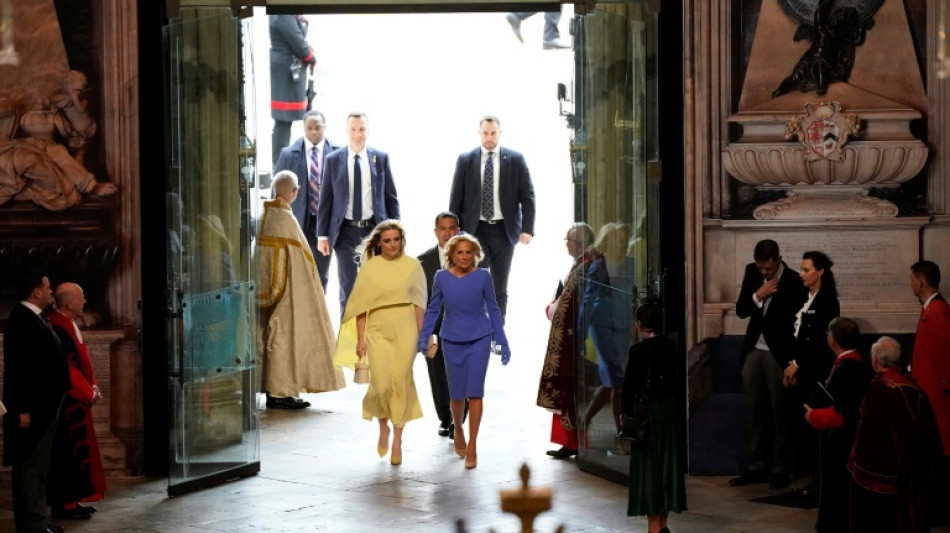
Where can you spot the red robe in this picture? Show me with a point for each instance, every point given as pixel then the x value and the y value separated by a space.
pixel 76 472
pixel 892 461
pixel 558 376
pixel 930 366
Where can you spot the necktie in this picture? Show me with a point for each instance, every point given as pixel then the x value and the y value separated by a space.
pixel 314 166
pixel 488 189
pixel 357 189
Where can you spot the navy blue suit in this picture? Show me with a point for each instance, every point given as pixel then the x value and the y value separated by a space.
pixel 516 197
pixel 334 201
pixel 295 159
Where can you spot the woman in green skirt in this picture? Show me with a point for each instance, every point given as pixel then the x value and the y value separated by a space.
pixel 658 464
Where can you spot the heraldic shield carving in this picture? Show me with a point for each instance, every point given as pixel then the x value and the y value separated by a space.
pixel 823 130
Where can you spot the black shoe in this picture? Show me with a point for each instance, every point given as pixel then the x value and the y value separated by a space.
pixel 749 477
pixel 445 430
pixel 778 481
pixel 76 513
pixel 286 403
pixel 562 453
pixel 89 509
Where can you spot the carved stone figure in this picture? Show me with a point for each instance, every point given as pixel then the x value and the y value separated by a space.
pixel 39 169
pixel 78 126
pixel 830 57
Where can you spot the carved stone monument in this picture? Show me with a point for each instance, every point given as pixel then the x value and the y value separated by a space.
pixel 883 93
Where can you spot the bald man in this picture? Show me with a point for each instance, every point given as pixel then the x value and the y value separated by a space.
pixel 297 340
pixel 76 474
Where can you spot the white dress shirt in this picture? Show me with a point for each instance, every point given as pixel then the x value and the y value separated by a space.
pixel 496 178
pixel 366 182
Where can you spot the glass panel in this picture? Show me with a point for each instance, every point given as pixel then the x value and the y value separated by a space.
pixel 212 301
pixel 616 166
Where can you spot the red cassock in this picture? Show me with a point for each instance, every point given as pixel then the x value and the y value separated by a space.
pixel 930 366
pixel 76 472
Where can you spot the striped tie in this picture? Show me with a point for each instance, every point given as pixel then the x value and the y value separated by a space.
pixel 488 189
pixel 314 166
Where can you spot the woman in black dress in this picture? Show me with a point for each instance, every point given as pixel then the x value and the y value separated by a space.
pixel 658 465
pixel 813 357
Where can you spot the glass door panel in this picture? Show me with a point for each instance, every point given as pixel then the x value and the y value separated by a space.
pixel 616 171
pixel 212 319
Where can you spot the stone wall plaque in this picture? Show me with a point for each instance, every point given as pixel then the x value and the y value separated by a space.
pixel 870 266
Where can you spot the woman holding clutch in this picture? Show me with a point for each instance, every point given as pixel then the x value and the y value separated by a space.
pixel 381 323
pixel 465 293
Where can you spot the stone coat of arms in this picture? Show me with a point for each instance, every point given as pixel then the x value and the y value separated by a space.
pixel 823 130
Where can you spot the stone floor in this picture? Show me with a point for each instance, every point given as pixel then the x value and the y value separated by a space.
pixel 320 472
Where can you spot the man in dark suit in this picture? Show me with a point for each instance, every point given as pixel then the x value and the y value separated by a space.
pixel 306 158
pixel 770 296
pixel 446 227
pixel 494 199
pixel 290 56
pixel 35 380
pixel 359 173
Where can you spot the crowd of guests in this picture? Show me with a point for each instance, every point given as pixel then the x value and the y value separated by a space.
pixel 868 431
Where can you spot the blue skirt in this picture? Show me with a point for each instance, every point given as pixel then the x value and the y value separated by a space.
pixel 466 363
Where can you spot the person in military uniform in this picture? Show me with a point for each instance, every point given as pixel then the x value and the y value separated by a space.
pixel 290 55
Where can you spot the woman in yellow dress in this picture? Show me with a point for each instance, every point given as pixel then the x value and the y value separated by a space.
pixel 381 323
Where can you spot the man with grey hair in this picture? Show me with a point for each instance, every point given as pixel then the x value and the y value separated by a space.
pixel 297 343
pixel 558 380
pixel 895 448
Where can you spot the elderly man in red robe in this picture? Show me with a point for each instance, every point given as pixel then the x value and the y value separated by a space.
pixel 76 474
pixel 895 446
pixel 930 365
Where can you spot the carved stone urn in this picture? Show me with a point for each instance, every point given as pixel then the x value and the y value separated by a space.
pixel 826 174
pixel 827 151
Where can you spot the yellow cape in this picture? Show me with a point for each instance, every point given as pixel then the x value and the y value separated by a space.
pixel 380 283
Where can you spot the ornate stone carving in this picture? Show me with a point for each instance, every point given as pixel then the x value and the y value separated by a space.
pixel 863 164
pixel 823 130
pixel 841 205
pixel 34 166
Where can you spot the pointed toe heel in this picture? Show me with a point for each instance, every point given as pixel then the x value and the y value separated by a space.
pixel 460 452
pixel 382 451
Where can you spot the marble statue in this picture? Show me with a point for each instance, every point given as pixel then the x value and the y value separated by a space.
pixel 34 165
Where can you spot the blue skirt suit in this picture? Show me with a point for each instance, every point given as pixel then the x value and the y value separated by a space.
pixel 471 317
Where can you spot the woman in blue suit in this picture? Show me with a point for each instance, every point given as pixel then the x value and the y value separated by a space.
pixel 471 317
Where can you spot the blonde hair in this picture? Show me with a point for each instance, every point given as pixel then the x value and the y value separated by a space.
pixel 370 246
pixel 612 239
pixel 454 243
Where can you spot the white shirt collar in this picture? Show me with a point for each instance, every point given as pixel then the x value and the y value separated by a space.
pixel 309 145
pixel 932 296
pixel 32 307
pixel 844 353
pixel 495 151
